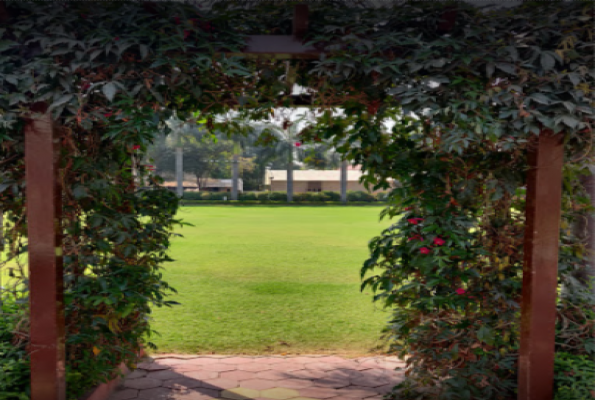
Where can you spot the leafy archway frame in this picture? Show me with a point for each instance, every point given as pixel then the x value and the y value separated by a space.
pixel 108 85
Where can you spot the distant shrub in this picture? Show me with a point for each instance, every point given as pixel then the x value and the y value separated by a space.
pixel 331 196
pixel 360 196
pixel 219 195
pixel 264 196
pixel 248 196
pixel 278 196
pixel 193 195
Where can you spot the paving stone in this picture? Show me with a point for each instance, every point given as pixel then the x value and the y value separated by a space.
pixel 335 383
pixel 204 361
pixel 202 375
pixel 279 394
pixel 124 394
pixel 152 366
pixel 294 383
pixel 182 383
pixel 156 394
pixel 303 374
pixel 331 359
pixel 287 366
pixel 137 373
pixel 196 394
pixel 219 367
pixel 238 375
pixel 142 383
pixel 169 361
pixel 220 383
pixel 258 384
pixel 237 360
pixel 357 392
pixel 164 375
pixel 351 365
pixel 254 367
pixel 273 375
pixel 339 398
pixel 240 394
pixel 318 392
pixel 183 368
pixel 320 366
pixel 274 360
pixel 369 381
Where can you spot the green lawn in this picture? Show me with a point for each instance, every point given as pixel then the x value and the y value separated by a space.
pixel 259 280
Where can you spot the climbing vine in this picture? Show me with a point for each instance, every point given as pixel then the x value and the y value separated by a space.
pixel 465 101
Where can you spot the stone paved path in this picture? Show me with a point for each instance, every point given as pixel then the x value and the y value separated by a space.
pixel 261 378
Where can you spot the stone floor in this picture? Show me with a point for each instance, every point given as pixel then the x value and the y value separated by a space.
pixel 261 378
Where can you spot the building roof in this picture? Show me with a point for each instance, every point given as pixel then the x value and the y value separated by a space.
pixel 313 175
pixel 222 183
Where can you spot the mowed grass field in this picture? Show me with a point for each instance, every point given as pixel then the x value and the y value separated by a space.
pixel 271 280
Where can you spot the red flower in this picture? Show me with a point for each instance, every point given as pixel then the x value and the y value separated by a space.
pixel 407 208
pixel 415 221
pixel 117 38
pixel 460 291
pixel 177 19
pixel 297 144
pixel 439 242
pixel 84 16
pixel 186 33
pixel 424 250
pixel 136 147
pixel 107 115
pixel 86 86
pixel 416 237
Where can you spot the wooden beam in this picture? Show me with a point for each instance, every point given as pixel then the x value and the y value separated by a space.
pixel 4 16
pixel 44 211
pixel 540 269
pixel 300 21
pixel 277 46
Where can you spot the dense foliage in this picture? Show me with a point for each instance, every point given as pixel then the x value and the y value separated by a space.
pixel 574 377
pixel 466 100
pixel 14 361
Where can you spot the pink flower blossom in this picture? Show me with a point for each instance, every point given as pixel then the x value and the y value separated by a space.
pixel 297 144
pixel 461 291
pixel 424 250
pixel 439 242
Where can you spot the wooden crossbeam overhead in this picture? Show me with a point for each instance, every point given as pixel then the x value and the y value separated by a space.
pixel 283 46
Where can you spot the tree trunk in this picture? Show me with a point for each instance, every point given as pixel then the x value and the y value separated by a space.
pixel 235 172
pixel 290 177
pixel 344 182
pixel 180 171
